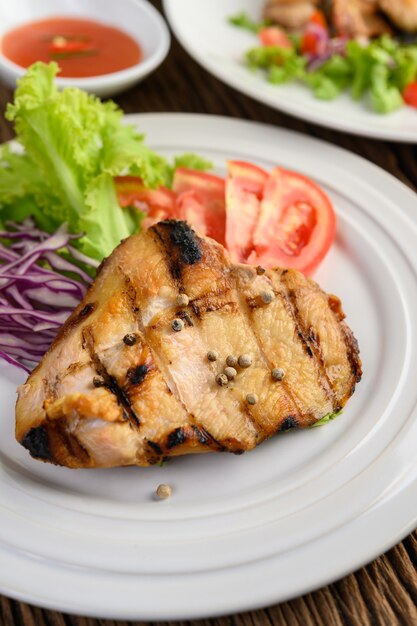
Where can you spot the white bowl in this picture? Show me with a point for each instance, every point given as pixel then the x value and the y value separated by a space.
pixel 138 18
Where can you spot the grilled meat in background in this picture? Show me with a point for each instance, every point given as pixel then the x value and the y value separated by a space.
pixel 350 18
pixel 137 373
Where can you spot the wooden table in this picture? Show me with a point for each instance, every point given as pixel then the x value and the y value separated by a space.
pixel 383 593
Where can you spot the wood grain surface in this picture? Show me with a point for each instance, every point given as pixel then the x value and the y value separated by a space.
pixel 385 592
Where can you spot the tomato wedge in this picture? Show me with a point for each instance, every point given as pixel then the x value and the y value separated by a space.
pixel 410 94
pixel 318 18
pixel 206 203
pixel 315 38
pixel 296 225
pixel 131 192
pixel 252 177
pixel 157 204
pixel 190 209
pixel 274 36
pixel 244 189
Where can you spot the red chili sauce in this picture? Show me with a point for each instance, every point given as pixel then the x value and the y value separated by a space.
pixel 80 47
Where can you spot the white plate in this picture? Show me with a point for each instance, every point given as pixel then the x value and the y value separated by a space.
pixel 201 27
pixel 303 508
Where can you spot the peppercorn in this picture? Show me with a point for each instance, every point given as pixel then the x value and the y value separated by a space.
pixel 277 374
pixel 182 300
pixel 164 491
pixel 230 372
pixel 231 360
pixel 267 297
pixel 245 360
pixel 260 270
pixel 129 339
pixel 251 398
pixel 212 355
pixel 177 325
pixel 222 380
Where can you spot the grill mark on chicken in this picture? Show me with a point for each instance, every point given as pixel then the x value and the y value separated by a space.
pixel 164 372
pixel 74 448
pixel 210 304
pixel 110 382
pixel 351 342
pixel 155 447
pixel 137 375
pixel 299 368
pixel 176 438
pixel 303 335
pixel 36 441
pixel 78 317
pixel 201 435
pixel 245 306
pixel 289 423
pixel 185 317
pixel 182 246
pixel 207 256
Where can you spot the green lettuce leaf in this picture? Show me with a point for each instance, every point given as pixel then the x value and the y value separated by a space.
pixel 74 145
pixel 327 418
pixel 242 20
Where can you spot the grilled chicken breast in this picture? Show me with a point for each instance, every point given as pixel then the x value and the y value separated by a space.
pixel 128 381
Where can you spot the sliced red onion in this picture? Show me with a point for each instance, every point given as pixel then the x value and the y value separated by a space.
pixel 36 293
pixel 333 46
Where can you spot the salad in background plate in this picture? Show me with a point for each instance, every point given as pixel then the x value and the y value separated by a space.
pixel 365 47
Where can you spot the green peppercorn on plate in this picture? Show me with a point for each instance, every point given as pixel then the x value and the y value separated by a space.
pixel 204 31
pixel 302 509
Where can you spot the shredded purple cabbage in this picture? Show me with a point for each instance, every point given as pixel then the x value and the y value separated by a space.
pixel 38 289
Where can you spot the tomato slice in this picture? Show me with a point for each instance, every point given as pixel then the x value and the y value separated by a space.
pixel 209 193
pixel 252 177
pixel 315 39
pixel 131 192
pixel 244 188
pixel 274 36
pixel 319 18
pixel 190 209
pixel 157 204
pixel 296 224
pixel 410 94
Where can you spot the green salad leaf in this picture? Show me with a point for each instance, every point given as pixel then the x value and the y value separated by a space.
pixel 242 20
pixel 74 145
pixel 379 70
pixel 326 419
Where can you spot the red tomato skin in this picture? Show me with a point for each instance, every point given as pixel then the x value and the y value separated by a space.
pixel 192 210
pixel 186 179
pixel 315 37
pixel 319 18
pixel 274 36
pixel 244 189
pixel 309 44
pixel 157 204
pixel 209 193
pixel 283 191
pixel 410 94
pixel 253 177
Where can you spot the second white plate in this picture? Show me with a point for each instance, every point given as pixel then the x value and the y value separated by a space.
pixel 303 508
pixel 203 30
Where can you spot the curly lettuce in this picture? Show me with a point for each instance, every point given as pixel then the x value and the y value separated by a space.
pixel 74 145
